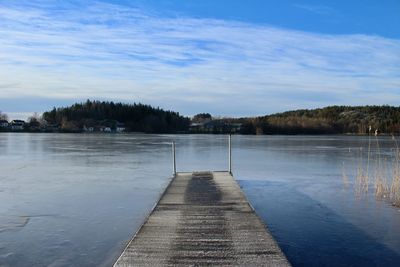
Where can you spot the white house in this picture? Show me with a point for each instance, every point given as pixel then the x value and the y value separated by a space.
pixel 4 124
pixel 105 129
pixel 120 128
pixel 17 125
pixel 89 129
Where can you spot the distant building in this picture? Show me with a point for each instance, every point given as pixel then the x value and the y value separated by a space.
pixel 105 129
pixel 89 129
pixel 236 127
pixel 17 125
pixel 196 126
pixel 215 126
pixel 4 124
pixel 120 127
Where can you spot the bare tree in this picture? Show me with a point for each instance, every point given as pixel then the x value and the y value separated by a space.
pixel 35 120
pixel 3 116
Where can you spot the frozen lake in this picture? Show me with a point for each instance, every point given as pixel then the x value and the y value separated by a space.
pixel 76 199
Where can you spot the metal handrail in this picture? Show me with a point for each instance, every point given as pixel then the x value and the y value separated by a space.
pixel 174 157
pixel 229 156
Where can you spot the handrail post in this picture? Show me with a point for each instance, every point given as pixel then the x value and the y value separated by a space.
pixel 174 158
pixel 230 153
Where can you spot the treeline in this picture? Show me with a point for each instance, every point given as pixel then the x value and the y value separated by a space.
pixel 97 116
pixel 328 120
pixel 135 117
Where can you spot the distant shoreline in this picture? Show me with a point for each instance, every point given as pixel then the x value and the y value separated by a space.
pixel 110 117
pixel 188 133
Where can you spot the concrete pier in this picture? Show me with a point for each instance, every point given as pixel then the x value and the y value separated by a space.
pixel 202 219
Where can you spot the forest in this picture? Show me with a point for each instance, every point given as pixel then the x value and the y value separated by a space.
pixel 134 117
pixel 328 120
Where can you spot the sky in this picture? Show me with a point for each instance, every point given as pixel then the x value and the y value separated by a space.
pixel 227 57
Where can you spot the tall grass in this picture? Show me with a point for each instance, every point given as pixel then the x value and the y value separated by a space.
pixel 395 185
pixel 379 171
pixel 381 178
pixel 361 185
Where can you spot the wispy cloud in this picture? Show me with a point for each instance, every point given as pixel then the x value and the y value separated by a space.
pixel 98 50
pixel 318 9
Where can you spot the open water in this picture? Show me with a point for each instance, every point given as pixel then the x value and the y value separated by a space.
pixel 76 199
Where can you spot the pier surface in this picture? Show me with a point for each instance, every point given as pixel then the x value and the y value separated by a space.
pixel 202 219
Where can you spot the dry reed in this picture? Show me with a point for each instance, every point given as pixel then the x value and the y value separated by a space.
pixel 385 174
pixel 395 185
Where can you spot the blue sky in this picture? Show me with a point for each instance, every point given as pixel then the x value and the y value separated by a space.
pixel 230 58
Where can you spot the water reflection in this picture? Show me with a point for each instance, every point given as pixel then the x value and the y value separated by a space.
pixel 311 234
